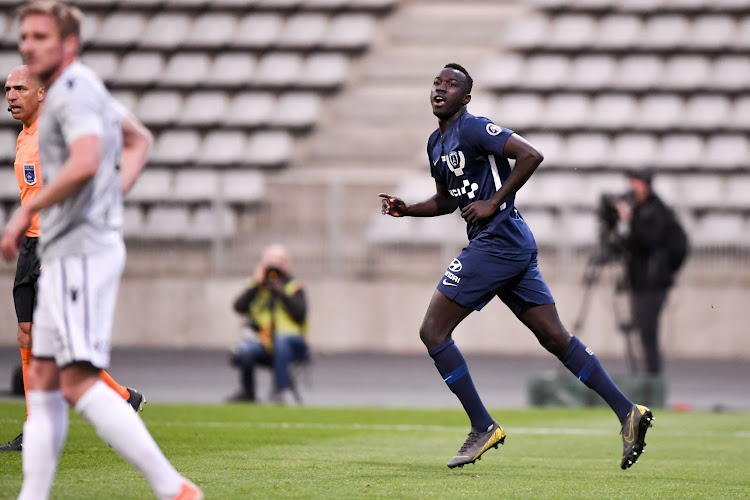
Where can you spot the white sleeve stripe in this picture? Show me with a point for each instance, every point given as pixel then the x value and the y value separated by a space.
pixel 496 176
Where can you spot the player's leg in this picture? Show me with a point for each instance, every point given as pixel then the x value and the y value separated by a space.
pixel 132 396
pixel 442 317
pixel 45 433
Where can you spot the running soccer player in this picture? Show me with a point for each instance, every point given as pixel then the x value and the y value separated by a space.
pixel 25 95
pixel 92 151
pixel 468 156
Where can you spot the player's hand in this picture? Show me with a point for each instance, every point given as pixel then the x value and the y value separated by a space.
pixel 13 233
pixel 392 206
pixel 475 212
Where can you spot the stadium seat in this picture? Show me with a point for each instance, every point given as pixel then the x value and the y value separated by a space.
pixel 211 31
pixel 738 186
pixel 687 72
pixel 166 31
pixel 140 68
pixel 558 189
pixel 209 223
pixel 524 32
pixel 278 69
pixel 244 187
pixel 731 73
pixel 712 32
pixel 127 98
pixel 89 27
pixel 701 191
pixel 166 223
pixel 565 111
pixel 278 4
pixel 595 185
pixel 665 32
pixel 250 109
pixel 519 111
pixel 719 230
pixel 324 71
pixel 297 110
pixel 740 117
pixel 103 63
pixel 618 32
pixel 204 108
pixel 592 72
pixel 706 112
pixel 742 36
pixel 639 72
pixel 176 147
pixel 572 31
pixel 579 229
pixel 257 31
pixel 8 61
pixel 120 30
pixel 159 108
pixel 550 144
pixel 544 225
pixel 659 112
pixel 667 187
pixel 547 72
pixel 324 4
pixel 613 111
pixel 268 149
pixel 350 32
pixel 154 185
pixel 482 104
pixel 633 150
pixel 679 151
pixel 303 31
pixel 8 184
pixel 232 69
pixel 504 71
pixel 223 148
pixel 586 150
pixel 187 70
pixel 191 185
pixel 727 151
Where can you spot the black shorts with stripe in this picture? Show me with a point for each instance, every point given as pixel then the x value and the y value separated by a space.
pixel 24 285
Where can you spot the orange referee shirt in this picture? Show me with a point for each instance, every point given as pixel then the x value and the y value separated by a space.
pixel 28 171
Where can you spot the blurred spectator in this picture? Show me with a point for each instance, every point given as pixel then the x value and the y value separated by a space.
pixel 655 248
pixel 276 310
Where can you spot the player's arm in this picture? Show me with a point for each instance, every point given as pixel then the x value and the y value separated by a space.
pixel 527 159
pixel 440 203
pixel 136 142
pixel 82 163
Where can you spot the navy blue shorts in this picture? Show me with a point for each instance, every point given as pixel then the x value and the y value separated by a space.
pixel 474 278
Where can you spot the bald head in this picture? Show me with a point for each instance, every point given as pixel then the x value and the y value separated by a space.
pixel 24 94
pixel 276 256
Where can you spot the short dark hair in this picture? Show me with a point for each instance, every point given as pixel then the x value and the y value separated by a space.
pixel 646 174
pixel 459 68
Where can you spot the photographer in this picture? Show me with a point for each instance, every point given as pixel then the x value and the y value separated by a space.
pixel 655 247
pixel 276 309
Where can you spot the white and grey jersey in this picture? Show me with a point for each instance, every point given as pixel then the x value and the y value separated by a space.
pixel 78 104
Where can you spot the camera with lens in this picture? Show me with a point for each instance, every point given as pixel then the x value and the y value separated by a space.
pixel 273 274
pixel 610 241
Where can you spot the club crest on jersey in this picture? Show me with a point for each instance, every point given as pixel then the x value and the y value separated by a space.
pixel 29 174
pixel 493 129
pixel 456 162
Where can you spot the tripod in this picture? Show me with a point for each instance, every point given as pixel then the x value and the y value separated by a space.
pixel 594 266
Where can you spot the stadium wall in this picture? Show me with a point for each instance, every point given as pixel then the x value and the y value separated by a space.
pixel 191 312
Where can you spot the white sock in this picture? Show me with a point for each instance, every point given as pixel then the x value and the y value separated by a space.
pixel 118 425
pixel 44 435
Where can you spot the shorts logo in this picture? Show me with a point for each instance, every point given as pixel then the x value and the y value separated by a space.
pixel 455 266
pixel 456 162
pixel 29 174
pixel 493 129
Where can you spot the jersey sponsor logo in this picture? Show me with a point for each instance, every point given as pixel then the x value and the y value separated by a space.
pixel 29 174
pixel 455 161
pixel 493 129
pixel 469 189
pixel 456 266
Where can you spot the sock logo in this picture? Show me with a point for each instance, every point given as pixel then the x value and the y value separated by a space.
pixel 591 353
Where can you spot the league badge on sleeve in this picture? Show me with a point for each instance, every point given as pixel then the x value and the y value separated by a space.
pixel 493 129
pixel 29 174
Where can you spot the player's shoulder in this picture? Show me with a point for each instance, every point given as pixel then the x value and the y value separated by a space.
pixel 78 79
pixel 473 126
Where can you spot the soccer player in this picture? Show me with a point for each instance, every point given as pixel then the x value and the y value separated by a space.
pixel 25 95
pixel 468 156
pixel 92 151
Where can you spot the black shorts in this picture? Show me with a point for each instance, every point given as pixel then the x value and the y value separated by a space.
pixel 24 285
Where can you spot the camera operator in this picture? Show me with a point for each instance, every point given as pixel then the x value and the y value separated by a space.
pixel 655 246
pixel 276 310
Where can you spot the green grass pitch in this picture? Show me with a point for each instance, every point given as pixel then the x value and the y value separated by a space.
pixel 257 451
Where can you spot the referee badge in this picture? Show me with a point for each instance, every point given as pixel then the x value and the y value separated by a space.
pixel 29 174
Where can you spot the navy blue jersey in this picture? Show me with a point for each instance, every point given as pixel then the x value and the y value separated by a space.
pixel 468 161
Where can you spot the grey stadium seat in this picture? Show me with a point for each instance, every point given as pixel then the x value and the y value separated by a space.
pixel 613 111
pixel 324 71
pixel 618 32
pixel 251 109
pixel 297 110
pixel 566 111
pixel 731 72
pixel 121 29
pixel 242 186
pixel 103 63
pixel 519 110
pixel 592 72
pixel 166 223
pixel 639 72
pixel 176 146
pixel 524 32
pixel 192 185
pixel 140 68
pixel 211 31
pixel 678 151
pixel 547 71
pixel 268 149
pixel 232 69
pixel 204 108
pixel 713 32
pixel 257 30
pixel 279 69
pixel 223 148
pixel 728 151
pixel 665 32
pixel 687 72
pixel 167 30
pixel 350 32
pixel 187 69
pixel 707 112
pixel 660 111
pixel 303 31
pixel 154 185
pixel 630 150
pixel 160 108
pixel 572 31
pixel 208 223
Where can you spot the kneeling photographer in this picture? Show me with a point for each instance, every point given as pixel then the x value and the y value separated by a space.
pixel 275 307
pixel 655 246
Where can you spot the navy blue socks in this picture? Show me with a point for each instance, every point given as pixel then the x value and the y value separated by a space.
pixel 582 362
pixel 452 366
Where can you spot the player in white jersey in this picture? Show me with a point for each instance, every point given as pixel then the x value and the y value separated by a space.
pixel 93 151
